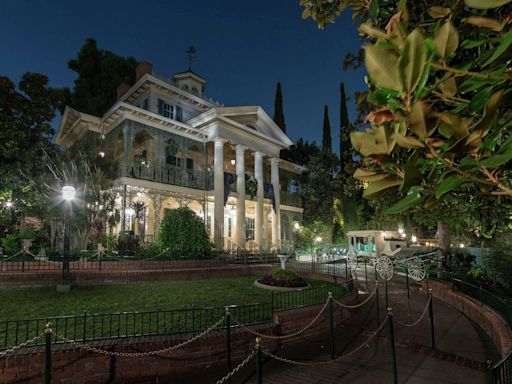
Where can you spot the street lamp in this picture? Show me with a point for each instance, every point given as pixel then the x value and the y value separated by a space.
pixel 68 194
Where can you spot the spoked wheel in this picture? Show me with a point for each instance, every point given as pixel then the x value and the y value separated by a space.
pixel 416 269
pixel 385 267
pixel 352 261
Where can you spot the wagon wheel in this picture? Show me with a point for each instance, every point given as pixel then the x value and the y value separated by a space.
pixel 385 267
pixel 352 260
pixel 416 269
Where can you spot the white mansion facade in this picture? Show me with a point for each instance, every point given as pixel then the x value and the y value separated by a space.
pixel 169 146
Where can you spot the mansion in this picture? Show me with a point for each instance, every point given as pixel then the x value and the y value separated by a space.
pixel 169 146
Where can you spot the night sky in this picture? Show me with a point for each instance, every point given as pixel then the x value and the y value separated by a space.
pixel 243 49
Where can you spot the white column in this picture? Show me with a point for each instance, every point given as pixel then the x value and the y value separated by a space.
pixel 276 215
pixel 240 204
pixel 218 190
pixel 258 174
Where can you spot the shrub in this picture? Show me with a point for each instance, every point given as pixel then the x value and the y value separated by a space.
pixel 283 274
pixel 184 234
pixel 283 278
pixel 11 244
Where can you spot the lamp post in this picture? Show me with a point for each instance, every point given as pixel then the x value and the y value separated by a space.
pixel 68 194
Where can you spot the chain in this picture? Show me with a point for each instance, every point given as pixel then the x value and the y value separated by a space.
pixel 24 344
pixel 344 356
pixel 419 319
pixel 361 303
pixel 283 336
pixel 140 354
pixel 237 368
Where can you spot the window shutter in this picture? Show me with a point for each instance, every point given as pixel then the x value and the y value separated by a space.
pixel 160 107
pixel 179 113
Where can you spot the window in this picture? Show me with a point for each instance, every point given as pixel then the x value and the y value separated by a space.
pixel 249 228
pixel 166 110
pixel 170 155
pixel 144 104
pixel 190 164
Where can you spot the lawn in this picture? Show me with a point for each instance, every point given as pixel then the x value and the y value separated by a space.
pixel 19 303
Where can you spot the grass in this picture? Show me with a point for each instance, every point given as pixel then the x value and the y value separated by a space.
pixel 19 303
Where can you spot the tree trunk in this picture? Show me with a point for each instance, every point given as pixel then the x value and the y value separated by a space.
pixel 443 238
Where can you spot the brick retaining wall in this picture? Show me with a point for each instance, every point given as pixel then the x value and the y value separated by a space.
pixel 495 327
pixel 72 365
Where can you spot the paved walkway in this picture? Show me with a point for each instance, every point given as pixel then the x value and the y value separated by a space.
pixel 461 348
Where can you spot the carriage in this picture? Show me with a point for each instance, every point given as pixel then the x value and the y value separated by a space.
pixel 387 250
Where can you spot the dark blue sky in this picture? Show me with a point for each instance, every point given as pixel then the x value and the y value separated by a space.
pixel 243 49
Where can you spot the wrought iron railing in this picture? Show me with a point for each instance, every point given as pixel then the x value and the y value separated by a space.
pixel 501 372
pixel 289 198
pixel 167 174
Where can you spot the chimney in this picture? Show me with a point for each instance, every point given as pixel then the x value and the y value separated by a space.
pixel 143 68
pixel 122 89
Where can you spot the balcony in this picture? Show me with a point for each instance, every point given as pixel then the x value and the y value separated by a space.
pixel 167 174
pixel 291 199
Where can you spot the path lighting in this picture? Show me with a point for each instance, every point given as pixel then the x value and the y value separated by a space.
pixel 68 194
pixel 414 238
pixel 404 235
pixel 9 204
pixel 296 226
pixel 101 154
pixel 400 230
pixel 461 245
pixel 318 239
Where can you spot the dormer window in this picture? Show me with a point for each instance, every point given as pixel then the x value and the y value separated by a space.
pixel 195 91
pixel 170 111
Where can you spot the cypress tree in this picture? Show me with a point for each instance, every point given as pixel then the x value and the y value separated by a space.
pixel 345 144
pixel 278 109
pixel 326 136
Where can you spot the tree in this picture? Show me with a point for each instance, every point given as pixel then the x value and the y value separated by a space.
pixel 326 135
pixel 301 152
pixel 100 72
pixel 439 84
pixel 278 109
pixel 25 135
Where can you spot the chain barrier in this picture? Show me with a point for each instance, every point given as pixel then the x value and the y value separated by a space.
pixel 282 336
pixel 139 354
pixel 419 319
pixel 361 303
pixel 24 344
pixel 237 368
pixel 344 356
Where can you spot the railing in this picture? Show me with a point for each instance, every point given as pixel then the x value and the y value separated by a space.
pixel 501 372
pixel 100 326
pixel 485 298
pixel 167 174
pixel 289 198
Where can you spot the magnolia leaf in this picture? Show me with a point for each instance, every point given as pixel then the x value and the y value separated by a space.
pixel 381 115
pixel 489 113
pixel 448 87
pixel 412 176
pixel 449 184
pixel 377 187
pixel 407 141
pixel 382 66
pixel 417 122
pixel 452 125
pixel 468 44
pixel 505 43
pixel 497 160
pixel 446 40
pixel 368 29
pixel 411 200
pixel 438 12
pixel 368 175
pixel 484 22
pixel 485 4
pixel 373 141
pixel 412 61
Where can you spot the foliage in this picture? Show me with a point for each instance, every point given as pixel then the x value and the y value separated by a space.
pixel 11 244
pixel 301 152
pixel 100 72
pixel 439 79
pixel 278 109
pixel 326 135
pixel 184 235
pixel 499 266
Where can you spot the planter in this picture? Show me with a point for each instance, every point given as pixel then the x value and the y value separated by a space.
pixel 282 259
pixel 279 289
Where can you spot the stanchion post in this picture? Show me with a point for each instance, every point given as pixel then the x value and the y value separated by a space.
pixel 366 273
pixel 490 372
pixel 228 337
pixel 386 289
pixel 331 325
pixel 377 298
pixel 431 314
pixel 407 281
pixel 392 342
pixel 48 354
pixel 259 379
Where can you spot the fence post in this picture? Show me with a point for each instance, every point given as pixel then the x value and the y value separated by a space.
pixel 490 372
pixel 228 337
pixel 258 362
pixel 366 273
pixel 346 269
pixel 331 325
pixel 85 324
pixel 23 265
pixel 48 354
pixel 431 314
pixel 407 281
pixel 392 340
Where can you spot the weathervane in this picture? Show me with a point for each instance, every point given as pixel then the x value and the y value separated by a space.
pixel 190 52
